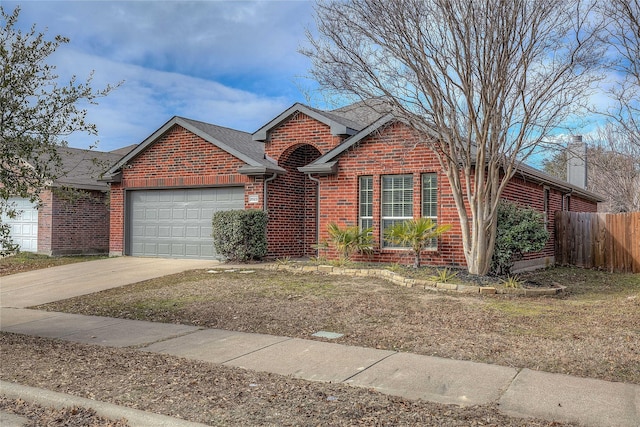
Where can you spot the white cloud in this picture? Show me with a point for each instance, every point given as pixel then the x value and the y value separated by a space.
pixel 205 38
pixel 148 98
pixel 231 63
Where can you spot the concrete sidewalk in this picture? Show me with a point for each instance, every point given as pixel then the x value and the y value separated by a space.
pixel 518 392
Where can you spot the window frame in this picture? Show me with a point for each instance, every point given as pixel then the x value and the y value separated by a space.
pixel 393 203
pixel 432 202
pixel 368 203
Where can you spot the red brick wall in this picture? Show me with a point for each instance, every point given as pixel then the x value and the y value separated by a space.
pixel 391 152
pixel 300 129
pixel 531 194
pixel 394 152
pixel 291 204
pixel 116 223
pixel 45 222
pixel 178 159
pixel 73 226
pixel 296 142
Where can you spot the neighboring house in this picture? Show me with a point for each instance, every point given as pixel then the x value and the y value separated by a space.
pixel 72 217
pixel 308 168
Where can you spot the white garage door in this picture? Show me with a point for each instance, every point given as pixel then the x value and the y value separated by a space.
pixel 177 223
pixel 24 227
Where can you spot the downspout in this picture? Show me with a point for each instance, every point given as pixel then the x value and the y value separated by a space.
pixel 317 214
pixel 264 189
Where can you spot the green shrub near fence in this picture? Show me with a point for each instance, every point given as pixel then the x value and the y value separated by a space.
pixel 240 235
pixel 520 230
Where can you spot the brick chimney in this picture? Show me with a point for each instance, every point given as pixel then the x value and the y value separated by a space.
pixel 577 162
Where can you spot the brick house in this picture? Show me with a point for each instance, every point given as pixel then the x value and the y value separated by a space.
pixel 74 221
pixel 307 167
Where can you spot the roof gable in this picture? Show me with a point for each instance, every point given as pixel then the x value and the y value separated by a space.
pixel 339 124
pixel 327 163
pixel 237 143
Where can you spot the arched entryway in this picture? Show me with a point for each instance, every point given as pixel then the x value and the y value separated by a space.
pixel 292 206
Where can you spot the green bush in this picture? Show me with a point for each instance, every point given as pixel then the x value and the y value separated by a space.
pixel 520 230
pixel 417 234
pixel 350 239
pixel 240 235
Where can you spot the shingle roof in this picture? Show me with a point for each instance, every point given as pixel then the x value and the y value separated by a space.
pixel 364 113
pixel 81 169
pixel 238 140
pixel 124 150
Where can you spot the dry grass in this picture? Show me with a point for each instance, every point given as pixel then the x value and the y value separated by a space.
pixel 25 261
pixel 217 395
pixel 592 331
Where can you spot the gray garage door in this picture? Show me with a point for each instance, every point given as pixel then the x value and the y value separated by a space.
pixel 177 223
pixel 24 227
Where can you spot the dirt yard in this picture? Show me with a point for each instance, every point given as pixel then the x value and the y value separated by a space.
pixel 593 331
pixel 211 394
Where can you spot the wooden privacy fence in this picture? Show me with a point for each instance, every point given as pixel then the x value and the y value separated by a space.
pixel 598 240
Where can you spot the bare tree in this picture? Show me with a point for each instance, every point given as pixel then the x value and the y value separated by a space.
pixel 482 82
pixel 613 167
pixel 623 31
pixel 614 171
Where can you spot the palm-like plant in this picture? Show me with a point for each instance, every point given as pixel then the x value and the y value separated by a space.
pixel 350 239
pixel 416 234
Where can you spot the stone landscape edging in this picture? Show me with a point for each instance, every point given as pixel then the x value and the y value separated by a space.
pixel 430 285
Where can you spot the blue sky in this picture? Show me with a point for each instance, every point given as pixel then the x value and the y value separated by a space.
pixel 231 63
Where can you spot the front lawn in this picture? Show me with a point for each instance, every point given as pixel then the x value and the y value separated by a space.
pixel 591 331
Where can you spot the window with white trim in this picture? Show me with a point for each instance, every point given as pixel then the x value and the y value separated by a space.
pixel 430 195
pixel 396 203
pixel 430 201
pixel 366 202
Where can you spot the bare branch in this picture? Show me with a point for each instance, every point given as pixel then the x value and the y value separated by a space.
pixel 484 83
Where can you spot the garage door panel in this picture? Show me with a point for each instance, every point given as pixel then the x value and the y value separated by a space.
pixel 166 197
pixel 178 213
pixel 177 223
pixel 194 213
pixel 24 226
pixel 207 252
pixel 206 230
pixel 193 231
pixel 164 214
pixel 163 249
pixel 192 250
pixel 177 250
pixel 196 197
pixel 164 231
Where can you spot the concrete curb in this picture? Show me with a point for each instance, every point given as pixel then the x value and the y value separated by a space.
pixel 134 417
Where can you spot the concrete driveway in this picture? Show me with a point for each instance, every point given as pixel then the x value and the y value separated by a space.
pixel 67 281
